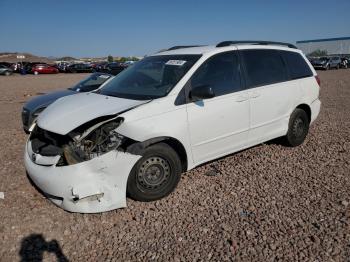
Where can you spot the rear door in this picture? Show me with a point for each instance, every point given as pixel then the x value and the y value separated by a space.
pixel 218 125
pixel 271 94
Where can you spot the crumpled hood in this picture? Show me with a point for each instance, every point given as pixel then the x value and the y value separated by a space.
pixel 70 112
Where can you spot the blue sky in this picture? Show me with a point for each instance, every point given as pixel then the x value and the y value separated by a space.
pixel 98 28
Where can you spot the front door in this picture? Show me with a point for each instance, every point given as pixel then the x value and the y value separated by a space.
pixel 219 125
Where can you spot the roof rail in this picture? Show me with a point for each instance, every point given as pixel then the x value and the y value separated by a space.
pixel 254 42
pixel 181 46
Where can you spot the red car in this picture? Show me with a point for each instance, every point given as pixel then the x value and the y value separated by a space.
pixel 44 69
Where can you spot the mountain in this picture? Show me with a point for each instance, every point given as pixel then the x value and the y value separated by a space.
pixel 12 57
pixel 66 58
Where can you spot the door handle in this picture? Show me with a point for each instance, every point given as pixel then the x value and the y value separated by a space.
pixel 242 98
pixel 254 95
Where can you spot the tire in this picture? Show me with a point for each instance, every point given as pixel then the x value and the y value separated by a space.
pixel 36 73
pixel 155 175
pixel 298 128
pixel 7 73
pixel 338 67
pixel 328 67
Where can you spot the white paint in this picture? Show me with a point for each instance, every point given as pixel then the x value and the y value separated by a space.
pixel 69 112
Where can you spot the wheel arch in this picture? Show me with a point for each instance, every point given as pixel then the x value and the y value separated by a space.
pixel 139 147
pixel 307 109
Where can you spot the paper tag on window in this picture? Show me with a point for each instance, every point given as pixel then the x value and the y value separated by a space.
pixel 104 76
pixel 176 62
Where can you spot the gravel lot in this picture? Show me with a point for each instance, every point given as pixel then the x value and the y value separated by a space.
pixel 268 203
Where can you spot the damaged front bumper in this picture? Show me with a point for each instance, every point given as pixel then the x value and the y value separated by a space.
pixel 92 186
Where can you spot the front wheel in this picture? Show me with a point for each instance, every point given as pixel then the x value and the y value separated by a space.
pixel 155 175
pixel 298 128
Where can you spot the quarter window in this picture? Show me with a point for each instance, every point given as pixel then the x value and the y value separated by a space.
pixel 263 67
pixel 221 72
pixel 297 66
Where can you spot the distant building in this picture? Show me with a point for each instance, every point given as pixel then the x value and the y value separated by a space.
pixel 333 46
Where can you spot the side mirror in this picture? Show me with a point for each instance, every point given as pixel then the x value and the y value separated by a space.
pixel 201 92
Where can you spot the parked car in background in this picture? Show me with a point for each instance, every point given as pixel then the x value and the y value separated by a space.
pixel 16 67
pixel 99 67
pixel 28 66
pixel 79 68
pixel 62 66
pixel 44 69
pixel 167 114
pixel 114 68
pixel 345 62
pixel 35 106
pixel 4 70
pixel 335 62
pixel 327 63
pixel 6 64
pixel 95 65
pixel 129 63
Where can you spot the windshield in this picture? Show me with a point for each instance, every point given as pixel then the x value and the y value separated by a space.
pixel 150 78
pixel 91 83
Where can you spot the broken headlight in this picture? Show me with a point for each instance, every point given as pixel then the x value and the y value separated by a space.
pixel 101 140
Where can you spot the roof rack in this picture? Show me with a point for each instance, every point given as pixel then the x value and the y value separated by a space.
pixel 181 46
pixel 254 42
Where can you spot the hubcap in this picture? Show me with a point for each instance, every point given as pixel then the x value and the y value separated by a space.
pixel 153 173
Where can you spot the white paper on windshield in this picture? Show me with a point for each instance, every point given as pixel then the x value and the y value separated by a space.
pixel 104 76
pixel 176 62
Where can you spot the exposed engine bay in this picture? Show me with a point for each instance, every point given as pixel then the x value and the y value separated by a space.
pixel 82 144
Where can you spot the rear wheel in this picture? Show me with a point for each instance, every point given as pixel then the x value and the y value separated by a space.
pixel 36 72
pixel 298 128
pixel 155 175
pixel 7 73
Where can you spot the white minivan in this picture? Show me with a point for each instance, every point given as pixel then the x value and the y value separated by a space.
pixel 167 114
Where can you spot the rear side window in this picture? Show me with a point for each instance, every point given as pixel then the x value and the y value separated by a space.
pixel 221 72
pixel 297 66
pixel 263 67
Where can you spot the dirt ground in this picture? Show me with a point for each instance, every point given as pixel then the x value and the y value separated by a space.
pixel 269 202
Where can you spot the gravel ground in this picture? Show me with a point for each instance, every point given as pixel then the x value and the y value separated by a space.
pixel 268 203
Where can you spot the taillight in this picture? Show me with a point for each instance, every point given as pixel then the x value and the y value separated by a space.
pixel 318 80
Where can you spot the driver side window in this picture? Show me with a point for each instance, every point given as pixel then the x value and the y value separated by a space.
pixel 221 72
